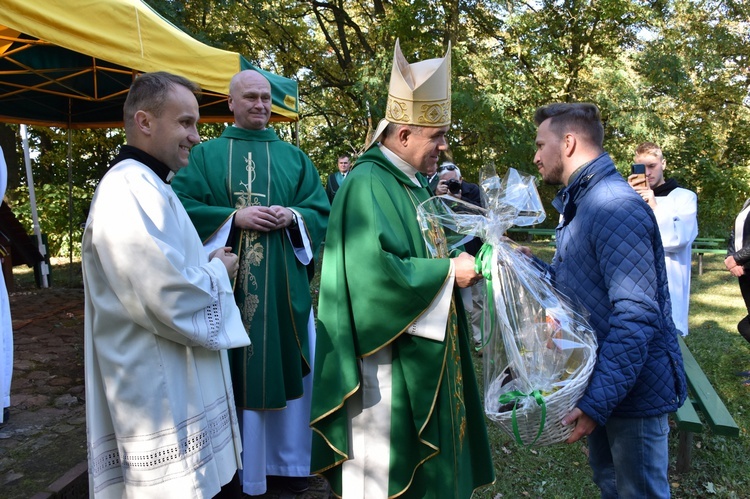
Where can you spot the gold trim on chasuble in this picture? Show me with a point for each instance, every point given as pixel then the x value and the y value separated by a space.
pixel 436 235
pixel 250 250
pixel 456 385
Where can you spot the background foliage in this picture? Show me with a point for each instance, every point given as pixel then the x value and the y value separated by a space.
pixel 671 71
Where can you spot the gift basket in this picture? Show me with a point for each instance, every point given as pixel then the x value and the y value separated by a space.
pixel 538 349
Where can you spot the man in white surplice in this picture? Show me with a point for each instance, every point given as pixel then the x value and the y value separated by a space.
pixel 676 211
pixel 159 316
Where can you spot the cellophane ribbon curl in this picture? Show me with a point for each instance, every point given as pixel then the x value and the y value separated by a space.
pixel 538 349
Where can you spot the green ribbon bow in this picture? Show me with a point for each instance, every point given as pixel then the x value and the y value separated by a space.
pixel 514 397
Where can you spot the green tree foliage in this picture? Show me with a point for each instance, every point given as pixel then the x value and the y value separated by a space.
pixel 60 219
pixel 694 84
pixel 91 151
pixel 63 188
pixel 671 71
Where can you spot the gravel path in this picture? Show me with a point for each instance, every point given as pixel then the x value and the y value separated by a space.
pixel 45 436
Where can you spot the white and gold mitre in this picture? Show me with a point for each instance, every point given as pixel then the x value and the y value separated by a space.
pixel 419 94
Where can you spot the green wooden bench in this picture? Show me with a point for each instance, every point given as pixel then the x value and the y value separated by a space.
pixel 701 398
pixel 703 245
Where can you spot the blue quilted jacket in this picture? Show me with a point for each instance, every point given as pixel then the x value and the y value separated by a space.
pixel 610 258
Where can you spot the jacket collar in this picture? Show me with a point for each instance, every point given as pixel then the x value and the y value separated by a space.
pixel 581 181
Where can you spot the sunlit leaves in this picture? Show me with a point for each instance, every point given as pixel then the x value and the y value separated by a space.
pixel 670 71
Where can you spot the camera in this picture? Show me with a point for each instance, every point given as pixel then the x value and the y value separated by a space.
pixel 454 186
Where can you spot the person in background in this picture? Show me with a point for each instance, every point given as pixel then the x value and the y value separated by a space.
pixel 159 316
pixel 432 177
pixel 396 408
pixel 6 325
pixel 452 183
pixel 610 257
pixel 676 211
pixel 337 178
pixel 263 197
pixel 738 263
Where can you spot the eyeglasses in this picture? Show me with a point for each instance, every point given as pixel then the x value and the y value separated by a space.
pixel 447 167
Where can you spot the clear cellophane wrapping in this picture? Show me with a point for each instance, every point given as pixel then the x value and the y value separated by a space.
pixel 538 349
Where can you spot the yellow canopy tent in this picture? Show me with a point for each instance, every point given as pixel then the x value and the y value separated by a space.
pixel 70 64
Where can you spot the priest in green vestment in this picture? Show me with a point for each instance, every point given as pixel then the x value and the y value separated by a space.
pixel 396 408
pixel 250 190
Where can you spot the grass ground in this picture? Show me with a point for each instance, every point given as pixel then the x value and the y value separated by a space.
pixel 719 466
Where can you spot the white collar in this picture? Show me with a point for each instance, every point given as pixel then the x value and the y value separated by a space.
pixel 402 165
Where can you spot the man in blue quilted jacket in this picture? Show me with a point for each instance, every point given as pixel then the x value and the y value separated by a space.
pixel 609 256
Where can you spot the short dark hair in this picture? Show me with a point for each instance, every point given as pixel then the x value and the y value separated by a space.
pixel 392 127
pixel 581 117
pixel 149 92
pixel 389 129
pixel 341 156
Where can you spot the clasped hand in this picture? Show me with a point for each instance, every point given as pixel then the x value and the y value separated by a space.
pixel 733 267
pixel 263 218
pixel 229 259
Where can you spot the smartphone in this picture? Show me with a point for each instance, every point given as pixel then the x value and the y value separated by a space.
pixel 640 170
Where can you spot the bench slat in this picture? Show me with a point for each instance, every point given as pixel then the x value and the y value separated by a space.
pixel 709 245
pixel 542 232
pixel 687 418
pixel 717 415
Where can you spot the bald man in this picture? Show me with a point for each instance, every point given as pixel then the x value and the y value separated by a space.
pixel 250 190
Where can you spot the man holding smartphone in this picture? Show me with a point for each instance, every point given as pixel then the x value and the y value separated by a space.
pixel 676 211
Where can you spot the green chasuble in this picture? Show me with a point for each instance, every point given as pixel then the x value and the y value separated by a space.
pixel 377 278
pixel 256 168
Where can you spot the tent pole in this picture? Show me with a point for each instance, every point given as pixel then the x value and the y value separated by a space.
pixel 70 202
pixel 32 202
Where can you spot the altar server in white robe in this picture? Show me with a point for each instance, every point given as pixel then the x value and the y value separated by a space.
pixel 159 316
pixel 676 211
